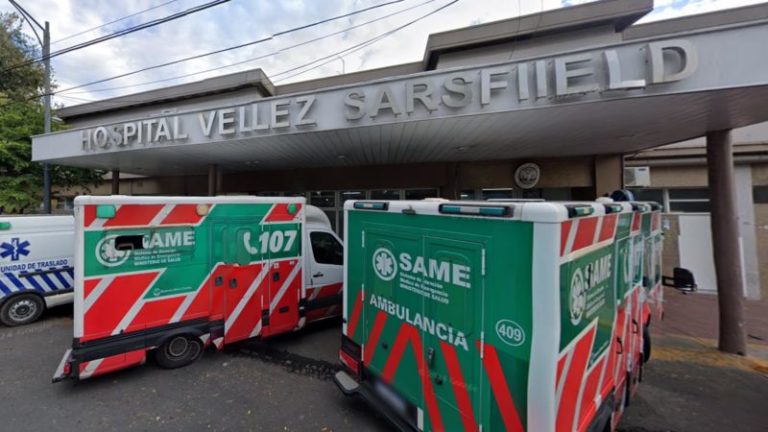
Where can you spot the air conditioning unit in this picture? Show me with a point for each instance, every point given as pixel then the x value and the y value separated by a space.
pixel 637 176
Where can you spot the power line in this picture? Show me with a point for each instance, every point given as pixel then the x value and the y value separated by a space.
pixel 332 57
pixel 238 46
pixel 120 33
pixel 112 22
pixel 358 46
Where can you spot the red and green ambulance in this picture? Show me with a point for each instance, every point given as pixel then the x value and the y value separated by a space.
pixel 172 275
pixel 491 316
pixel 650 227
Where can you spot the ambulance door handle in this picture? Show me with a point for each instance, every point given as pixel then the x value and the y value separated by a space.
pixel 318 275
pixel 635 327
pixel 430 356
pixel 621 346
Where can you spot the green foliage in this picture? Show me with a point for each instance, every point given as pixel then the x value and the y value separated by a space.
pixel 21 116
pixel 16 48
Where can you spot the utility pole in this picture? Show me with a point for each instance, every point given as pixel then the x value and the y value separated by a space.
pixel 47 120
pixel 45 43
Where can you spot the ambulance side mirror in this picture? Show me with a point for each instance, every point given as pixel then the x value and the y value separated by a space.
pixel 682 279
pixel 5 226
pixel 105 211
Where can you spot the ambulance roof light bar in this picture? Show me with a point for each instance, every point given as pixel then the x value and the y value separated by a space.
pixel 476 210
pixel 641 207
pixel 579 210
pixel 612 208
pixel 363 205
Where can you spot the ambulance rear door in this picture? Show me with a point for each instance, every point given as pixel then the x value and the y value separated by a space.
pixel 455 282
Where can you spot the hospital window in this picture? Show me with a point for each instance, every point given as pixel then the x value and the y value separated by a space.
pixel 760 194
pixel 417 194
pixel 689 200
pixel 676 200
pixel 322 199
pixel 332 202
pixel 385 194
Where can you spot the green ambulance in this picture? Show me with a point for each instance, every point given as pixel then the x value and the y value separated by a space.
pixel 168 276
pixel 483 315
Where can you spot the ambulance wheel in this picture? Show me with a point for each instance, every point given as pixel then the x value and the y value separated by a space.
pixel 646 344
pixel 178 351
pixel 21 309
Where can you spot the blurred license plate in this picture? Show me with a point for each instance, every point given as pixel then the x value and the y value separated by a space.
pixel 390 397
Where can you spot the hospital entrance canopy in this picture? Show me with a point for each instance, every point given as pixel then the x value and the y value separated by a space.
pixel 583 82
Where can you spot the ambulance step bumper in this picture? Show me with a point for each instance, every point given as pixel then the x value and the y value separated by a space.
pixel 346 383
pixel 350 387
pixel 62 372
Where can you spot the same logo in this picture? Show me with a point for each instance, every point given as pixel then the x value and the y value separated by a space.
pixel 108 255
pixel 384 264
pixel 578 297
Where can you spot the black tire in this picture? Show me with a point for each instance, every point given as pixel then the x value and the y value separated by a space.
pixel 178 351
pixel 646 344
pixel 21 309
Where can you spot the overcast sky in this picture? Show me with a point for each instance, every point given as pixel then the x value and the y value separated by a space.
pixel 241 21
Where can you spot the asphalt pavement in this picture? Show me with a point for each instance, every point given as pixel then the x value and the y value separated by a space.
pixel 284 384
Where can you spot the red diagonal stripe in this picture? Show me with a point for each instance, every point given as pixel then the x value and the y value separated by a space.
pixel 117 362
pixel 407 334
pixel 355 318
pixel 134 215
pixel 89 215
pixel 636 217
pixel 560 366
pixel 591 390
pixel 116 300
pixel 89 285
pixel 459 386
pixel 566 409
pixel 500 389
pixel 608 229
pixel 565 229
pixel 585 233
pixel 280 213
pixel 251 314
pixel 182 214
pixel 373 337
pixel 155 313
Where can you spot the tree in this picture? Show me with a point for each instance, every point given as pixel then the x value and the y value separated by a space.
pixel 21 116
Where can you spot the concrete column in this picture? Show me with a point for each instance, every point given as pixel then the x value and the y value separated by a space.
pixel 725 241
pixel 219 180
pixel 608 174
pixel 212 178
pixel 115 182
pixel 450 187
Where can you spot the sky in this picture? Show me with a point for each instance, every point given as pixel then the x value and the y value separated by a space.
pixel 242 21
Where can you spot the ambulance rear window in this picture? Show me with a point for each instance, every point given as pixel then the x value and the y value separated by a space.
pixel 129 242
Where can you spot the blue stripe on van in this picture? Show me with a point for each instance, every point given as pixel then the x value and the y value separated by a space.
pixel 71 272
pixel 34 283
pixel 49 282
pixel 62 279
pixel 11 277
pixel 4 288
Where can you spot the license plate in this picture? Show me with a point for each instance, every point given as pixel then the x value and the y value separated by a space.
pixel 390 397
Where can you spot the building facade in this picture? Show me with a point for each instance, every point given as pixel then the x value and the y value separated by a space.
pixel 556 105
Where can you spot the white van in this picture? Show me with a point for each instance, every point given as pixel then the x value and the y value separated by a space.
pixel 35 266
